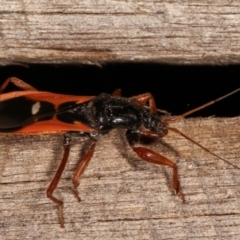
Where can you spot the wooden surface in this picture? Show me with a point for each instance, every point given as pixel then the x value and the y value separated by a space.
pixel 95 32
pixel 122 196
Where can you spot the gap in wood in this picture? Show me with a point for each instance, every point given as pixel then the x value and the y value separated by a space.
pixel 175 88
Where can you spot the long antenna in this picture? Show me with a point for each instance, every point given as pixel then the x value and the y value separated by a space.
pixel 207 150
pixel 177 118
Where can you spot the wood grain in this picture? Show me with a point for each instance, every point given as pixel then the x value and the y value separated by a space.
pixel 96 32
pixel 122 196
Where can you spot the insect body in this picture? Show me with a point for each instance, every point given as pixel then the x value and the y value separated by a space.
pixel 31 112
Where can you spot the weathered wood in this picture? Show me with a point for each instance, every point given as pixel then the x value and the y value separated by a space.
pixel 122 196
pixel 100 31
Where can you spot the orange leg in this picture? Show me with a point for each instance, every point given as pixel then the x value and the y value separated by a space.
pixel 82 165
pixel 143 99
pixel 150 134
pixel 17 82
pixel 153 157
pixel 117 93
pixel 55 181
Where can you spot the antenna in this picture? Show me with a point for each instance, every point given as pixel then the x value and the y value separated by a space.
pixel 177 118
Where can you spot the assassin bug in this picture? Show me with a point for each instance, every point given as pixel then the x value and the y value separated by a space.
pixel 45 112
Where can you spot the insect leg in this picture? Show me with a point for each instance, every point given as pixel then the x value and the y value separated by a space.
pixel 117 93
pixel 153 157
pixel 55 181
pixel 82 165
pixel 143 99
pixel 140 99
pixel 17 82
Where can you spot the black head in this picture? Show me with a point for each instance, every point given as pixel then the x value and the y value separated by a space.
pixel 153 123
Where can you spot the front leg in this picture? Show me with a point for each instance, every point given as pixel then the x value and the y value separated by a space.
pixel 153 157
